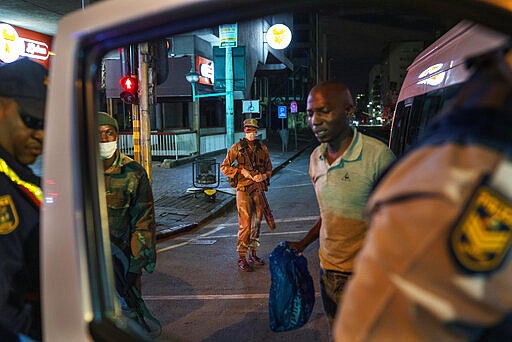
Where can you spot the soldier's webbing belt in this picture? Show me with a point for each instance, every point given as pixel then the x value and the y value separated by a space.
pixel 31 190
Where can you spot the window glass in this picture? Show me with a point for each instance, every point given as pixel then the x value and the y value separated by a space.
pixel 180 106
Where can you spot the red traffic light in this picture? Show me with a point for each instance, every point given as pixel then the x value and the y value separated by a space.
pixel 129 85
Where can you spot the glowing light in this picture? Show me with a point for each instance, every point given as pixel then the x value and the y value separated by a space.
pixel 433 80
pixel 431 70
pixel 12 46
pixel 279 36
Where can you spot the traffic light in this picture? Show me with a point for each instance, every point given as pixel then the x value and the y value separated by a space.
pixel 130 87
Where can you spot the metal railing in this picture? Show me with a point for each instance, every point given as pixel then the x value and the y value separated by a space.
pixel 163 144
pixel 180 144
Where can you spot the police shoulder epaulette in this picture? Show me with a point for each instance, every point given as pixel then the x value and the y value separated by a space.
pixel 480 240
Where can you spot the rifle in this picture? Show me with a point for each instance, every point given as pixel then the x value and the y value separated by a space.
pixel 269 217
pixel 258 187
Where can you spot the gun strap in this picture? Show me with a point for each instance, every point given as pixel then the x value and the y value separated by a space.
pixel 245 146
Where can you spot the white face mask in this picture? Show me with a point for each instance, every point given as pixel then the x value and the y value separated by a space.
pixel 251 136
pixel 107 149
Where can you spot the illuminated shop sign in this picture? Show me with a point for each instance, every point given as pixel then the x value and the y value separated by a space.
pixel 204 67
pixel 12 46
pixel 278 36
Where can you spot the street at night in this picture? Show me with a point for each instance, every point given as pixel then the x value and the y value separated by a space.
pixel 199 294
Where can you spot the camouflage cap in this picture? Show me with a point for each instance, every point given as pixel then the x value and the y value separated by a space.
pixel 106 119
pixel 251 123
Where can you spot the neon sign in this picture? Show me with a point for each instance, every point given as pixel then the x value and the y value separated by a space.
pixel 206 70
pixel 12 46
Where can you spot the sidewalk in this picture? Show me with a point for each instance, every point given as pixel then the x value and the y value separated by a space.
pixel 177 210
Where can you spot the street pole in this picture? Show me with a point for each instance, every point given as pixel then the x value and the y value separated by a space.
pixel 196 113
pixel 145 123
pixel 230 120
pixel 136 133
pixel 196 123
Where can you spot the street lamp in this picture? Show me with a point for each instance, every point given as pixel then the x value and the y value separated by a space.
pixel 193 77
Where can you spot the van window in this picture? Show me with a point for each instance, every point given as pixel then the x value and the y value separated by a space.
pixel 173 116
pixel 400 125
pixel 411 120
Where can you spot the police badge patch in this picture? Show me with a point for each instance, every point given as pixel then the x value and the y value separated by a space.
pixel 8 215
pixel 482 237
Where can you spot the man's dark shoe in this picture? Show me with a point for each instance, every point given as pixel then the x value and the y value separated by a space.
pixel 256 261
pixel 244 265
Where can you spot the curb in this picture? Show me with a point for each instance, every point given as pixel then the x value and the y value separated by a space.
pixel 221 208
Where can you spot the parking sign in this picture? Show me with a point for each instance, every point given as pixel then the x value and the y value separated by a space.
pixel 281 112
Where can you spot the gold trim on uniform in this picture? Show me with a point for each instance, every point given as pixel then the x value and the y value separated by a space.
pixel 34 189
pixel 483 235
pixel 8 215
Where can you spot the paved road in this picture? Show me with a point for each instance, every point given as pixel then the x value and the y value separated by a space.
pixel 198 292
pixel 178 210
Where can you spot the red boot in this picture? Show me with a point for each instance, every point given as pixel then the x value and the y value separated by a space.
pixel 255 260
pixel 244 265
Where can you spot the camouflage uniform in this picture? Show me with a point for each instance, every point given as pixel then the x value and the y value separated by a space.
pixel 131 214
pixel 248 204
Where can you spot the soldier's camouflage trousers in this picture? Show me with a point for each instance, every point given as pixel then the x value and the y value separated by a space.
pixel 249 221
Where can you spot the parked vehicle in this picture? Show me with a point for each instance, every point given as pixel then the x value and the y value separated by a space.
pixel 79 302
pixel 434 77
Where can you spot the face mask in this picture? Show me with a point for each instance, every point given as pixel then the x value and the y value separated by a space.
pixel 251 136
pixel 107 149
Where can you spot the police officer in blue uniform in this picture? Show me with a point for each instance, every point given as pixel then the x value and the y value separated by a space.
pixel 23 85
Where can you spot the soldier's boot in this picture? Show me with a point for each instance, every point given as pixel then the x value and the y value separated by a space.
pixel 255 260
pixel 243 264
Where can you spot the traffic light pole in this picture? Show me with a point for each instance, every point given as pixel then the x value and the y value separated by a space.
pixel 144 110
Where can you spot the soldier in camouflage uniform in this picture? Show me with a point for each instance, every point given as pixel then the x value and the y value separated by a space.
pixel 131 214
pixel 247 163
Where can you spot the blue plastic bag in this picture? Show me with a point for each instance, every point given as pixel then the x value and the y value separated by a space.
pixel 292 294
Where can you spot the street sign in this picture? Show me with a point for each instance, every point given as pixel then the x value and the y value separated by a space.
pixel 294 107
pixel 250 106
pixel 281 112
pixel 228 35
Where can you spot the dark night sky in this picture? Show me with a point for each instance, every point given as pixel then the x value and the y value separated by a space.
pixel 357 41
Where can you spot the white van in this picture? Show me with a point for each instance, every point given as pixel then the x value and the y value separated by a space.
pixel 434 77
pixel 78 297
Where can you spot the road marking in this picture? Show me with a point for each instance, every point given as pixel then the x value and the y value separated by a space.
pixel 298 171
pixel 272 188
pixel 235 235
pixel 225 225
pixel 213 231
pixel 283 220
pixel 213 297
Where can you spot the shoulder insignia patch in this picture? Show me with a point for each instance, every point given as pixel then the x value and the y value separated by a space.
pixel 482 237
pixel 8 215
